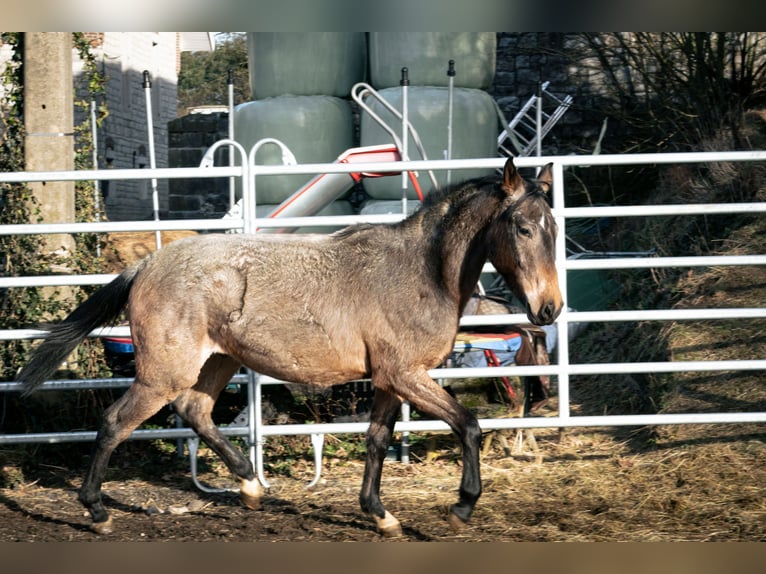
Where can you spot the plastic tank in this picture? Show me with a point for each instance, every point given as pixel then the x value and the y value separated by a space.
pixel 305 63
pixel 339 207
pixel 474 132
pixel 426 56
pixel 317 129
pixel 388 207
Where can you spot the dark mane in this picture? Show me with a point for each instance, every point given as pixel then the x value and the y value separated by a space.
pixel 451 196
pixel 458 192
pixel 352 229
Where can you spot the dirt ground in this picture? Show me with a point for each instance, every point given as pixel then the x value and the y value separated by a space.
pixel 692 484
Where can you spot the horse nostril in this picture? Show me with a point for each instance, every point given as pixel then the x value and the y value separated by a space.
pixel 548 312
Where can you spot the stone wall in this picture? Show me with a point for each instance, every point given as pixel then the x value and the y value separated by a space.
pixel 527 59
pixel 189 137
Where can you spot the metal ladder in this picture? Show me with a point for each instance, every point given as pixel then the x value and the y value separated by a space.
pixel 527 129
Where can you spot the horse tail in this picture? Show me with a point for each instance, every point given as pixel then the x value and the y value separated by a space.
pixel 101 308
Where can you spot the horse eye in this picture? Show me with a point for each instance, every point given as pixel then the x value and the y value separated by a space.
pixel 525 231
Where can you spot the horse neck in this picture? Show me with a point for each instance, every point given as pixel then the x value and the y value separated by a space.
pixel 459 244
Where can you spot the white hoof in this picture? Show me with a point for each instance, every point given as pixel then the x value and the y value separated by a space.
pixel 389 526
pixel 106 527
pixel 250 492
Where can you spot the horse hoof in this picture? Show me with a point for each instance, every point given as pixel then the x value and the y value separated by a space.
pixel 455 523
pixel 389 526
pixel 250 494
pixel 252 502
pixel 106 527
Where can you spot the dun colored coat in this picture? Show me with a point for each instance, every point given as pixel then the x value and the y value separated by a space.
pixel 322 309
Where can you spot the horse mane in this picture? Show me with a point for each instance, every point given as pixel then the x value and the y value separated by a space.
pixel 440 202
pixel 352 230
pixel 458 192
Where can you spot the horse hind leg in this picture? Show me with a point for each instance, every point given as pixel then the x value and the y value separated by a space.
pixel 138 403
pixel 382 419
pixel 195 406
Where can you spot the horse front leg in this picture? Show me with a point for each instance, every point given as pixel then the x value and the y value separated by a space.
pixel 385 407
pixel 428 397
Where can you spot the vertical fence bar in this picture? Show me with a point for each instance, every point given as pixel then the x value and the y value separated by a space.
pixel 405 82
pixel 96 182
pixel 539 119
pixel 559 203
pixel 230 85
pixel 450 104
pixel 152 160
pixel 255 425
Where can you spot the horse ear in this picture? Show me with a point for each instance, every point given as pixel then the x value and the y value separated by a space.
pixel 513 183
pixel 545 177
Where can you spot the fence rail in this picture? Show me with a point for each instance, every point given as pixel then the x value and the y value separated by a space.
pixel 563 369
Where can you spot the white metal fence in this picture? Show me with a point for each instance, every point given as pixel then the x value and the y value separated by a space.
pixel 563 369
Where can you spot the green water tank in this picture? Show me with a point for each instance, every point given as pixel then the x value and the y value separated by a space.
pixel 474 132
pixel 426 56
pixel 305 63
pixel 317 129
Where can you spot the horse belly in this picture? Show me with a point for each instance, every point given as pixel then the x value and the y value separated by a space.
pixel 294 353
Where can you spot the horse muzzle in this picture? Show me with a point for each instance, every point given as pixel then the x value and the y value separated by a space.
pixel 546 314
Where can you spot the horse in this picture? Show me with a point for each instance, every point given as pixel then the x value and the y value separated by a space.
pixel 322 309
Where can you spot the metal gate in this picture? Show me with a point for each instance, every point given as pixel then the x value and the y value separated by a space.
pixel 563 369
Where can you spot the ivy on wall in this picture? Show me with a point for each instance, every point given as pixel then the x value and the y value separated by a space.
pixel 23 255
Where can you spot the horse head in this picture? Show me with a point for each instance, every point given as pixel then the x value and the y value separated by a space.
pixel 521 243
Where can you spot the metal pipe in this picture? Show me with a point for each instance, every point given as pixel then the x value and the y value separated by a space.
pixel 539 120
pixel 404 83
pixel 96 183
pixel 249 201
pixel 413 426
pixel 152 160
pixel 404 454
pixel 450 90
pixel 571 212
pixel 255 424
pixel 562 323
pixel 396 166
pixel 232 186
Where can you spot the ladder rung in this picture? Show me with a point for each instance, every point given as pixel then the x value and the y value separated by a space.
pixel 526 120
